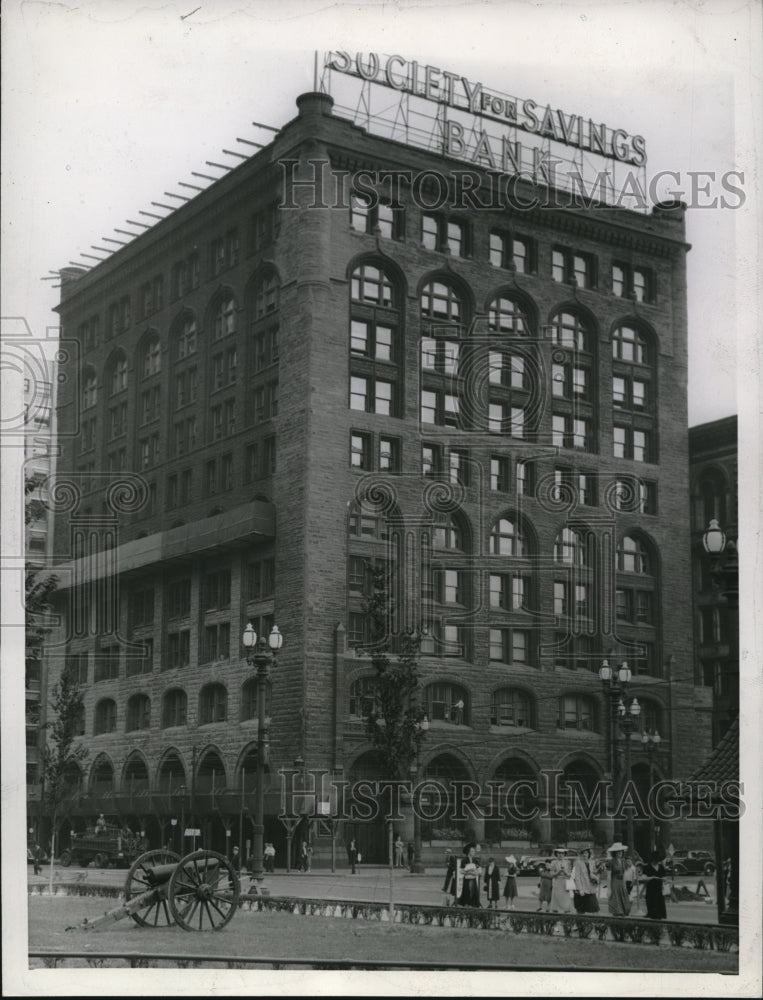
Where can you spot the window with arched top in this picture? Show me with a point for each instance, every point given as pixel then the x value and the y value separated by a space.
pixel 634 395
pixel 506 315
pixel 138 712
pixel 506 539
pixel 118 375
pixel 570 332
pixel 637 604
pixel 213 704
pixel 578 711
pixel 266 294
pixel 171 777
pixel 370 284
pixel 224 321
pixel 440 300
pixel 511 709
pixel 375 331
pixel 101 775
pixel 89 389
pixel 150 362
pixel 632 556
pixel 448 703
pixel 362 697
pixel 449 532
pixel 570 547
pixel 174 708
pixel 105 716
pixel 135 774
pixel 186 339
pixel 573 420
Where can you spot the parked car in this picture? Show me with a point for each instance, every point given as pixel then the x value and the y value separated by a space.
pixel 691 863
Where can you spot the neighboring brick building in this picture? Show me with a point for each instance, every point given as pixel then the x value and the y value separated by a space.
pixel 714 478
pixel 513 382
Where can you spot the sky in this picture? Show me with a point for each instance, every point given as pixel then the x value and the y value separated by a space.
pixel 108 104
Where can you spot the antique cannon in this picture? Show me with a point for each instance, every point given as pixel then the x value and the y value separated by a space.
pixel 199 892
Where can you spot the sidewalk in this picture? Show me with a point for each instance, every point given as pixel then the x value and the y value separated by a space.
pixel 371 883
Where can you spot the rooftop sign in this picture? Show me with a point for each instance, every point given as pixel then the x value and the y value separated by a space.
pixel 448 113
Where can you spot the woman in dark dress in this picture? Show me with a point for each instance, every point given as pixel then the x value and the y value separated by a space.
pixel 470 887
pixel 654 872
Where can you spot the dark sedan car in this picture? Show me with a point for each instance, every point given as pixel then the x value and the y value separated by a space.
pixel 691 863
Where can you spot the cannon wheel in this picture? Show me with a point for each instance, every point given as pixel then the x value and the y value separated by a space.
pixel 203 891
pixel 156 913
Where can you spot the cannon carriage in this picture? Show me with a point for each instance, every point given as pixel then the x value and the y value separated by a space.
pixel 198 892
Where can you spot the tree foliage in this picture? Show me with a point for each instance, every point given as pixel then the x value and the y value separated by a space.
pixel 63 750
pixel 393 725
pixel 39 589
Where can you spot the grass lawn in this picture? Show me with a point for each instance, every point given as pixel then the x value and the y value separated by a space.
pixel 283 936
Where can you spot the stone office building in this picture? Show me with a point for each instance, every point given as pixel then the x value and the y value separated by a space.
pixel 491 400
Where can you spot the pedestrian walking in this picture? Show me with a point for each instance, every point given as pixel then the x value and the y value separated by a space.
pixel 399 847
pixel 654 874
pixel 352 856
pixel 37 858
pixel 629 875
pixel 585 899
pixel 561 901
pixel 618 903
pixel 235 860
pixel 270 857
pixel 510 892
pixel 545 888
pixel 305 856
pixel 492 884
pixel 411 855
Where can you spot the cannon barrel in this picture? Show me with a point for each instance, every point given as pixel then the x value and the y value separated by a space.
pixel 161 874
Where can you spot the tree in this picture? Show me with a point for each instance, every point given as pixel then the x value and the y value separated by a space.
pixel 394 724
pixel 38 590
pixel 63 751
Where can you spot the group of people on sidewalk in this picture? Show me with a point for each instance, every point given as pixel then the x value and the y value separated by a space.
pixel 565 885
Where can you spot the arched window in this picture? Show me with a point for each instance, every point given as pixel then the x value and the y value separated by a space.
pixel 362 697
pixel 505 539
pixel 632 556
pixel 102 776
pixel 511 708
pixel 151 357
pixel 571 332
pixel 171 776
pixel 441 301
pixel 105 716
pixel 266 294
pixel 651 717
pixel 224 317
pixel 577 711
pixel 505 315
pixel 138 712
pixel 211 773
pixel 213 704
pixel 569 547
pixel 185 339
pixel 89 389
pixel 447 703
pixel 135 775
pixel 449 533
pixel 629 344
pixel 174 708
pixel 249 706
pixel 371 285
pixel 118 375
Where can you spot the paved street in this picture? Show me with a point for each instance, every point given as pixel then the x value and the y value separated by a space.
pixel 372 884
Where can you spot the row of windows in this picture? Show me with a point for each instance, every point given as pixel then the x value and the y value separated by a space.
pixel 212 707
pixel 506 250
pixel 185 275
pixel 509 707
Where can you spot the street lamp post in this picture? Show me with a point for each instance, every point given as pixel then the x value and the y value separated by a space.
pixel 260 655
pixel 417 868
pixel 625 719
pixel 651 742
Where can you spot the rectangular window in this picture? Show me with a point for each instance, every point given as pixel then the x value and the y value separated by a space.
pixel 186 481
pixel 431 460
pixel 389 454
pixel 459 466
pixel 210 477
pixel 217 642
pixel 526 479
pixel 178 649
pixel 361 450
pixel 358 393
pixel 499 473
